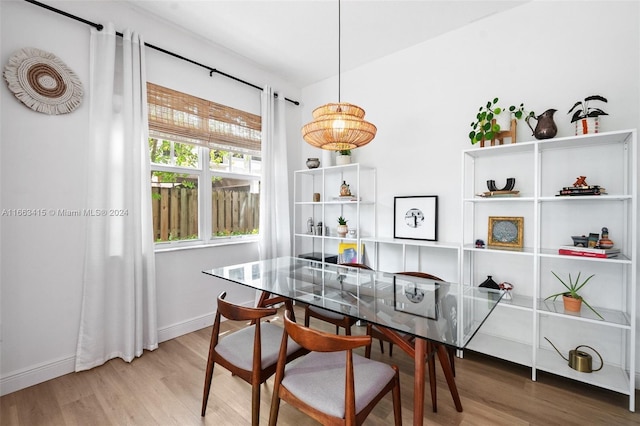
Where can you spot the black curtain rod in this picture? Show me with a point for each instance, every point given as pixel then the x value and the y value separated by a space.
pixel 99 27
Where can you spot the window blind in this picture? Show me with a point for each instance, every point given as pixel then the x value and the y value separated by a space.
pixel 185 118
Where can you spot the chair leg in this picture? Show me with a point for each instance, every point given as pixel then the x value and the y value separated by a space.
pixel 275 407
pixel 207 384
pixel 255 404
pixel 397 409
pixel 431 362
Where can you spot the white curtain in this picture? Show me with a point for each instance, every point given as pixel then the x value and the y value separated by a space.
pixel 119 296
pixel 275 231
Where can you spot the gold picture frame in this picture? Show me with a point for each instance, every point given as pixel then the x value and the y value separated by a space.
pixel 506 231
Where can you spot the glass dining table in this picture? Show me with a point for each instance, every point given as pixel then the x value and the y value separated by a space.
pixel 436 314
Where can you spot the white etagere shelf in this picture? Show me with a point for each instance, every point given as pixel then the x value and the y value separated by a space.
pixel 359 211
pixel 516 329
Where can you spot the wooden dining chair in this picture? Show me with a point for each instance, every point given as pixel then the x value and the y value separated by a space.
pixel 326 315
pixel 331 384
pixel 446 354
pixel 250 353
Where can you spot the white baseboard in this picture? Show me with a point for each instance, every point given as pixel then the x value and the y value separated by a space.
pixel 37 374
pixel 185 327
pixel 40 373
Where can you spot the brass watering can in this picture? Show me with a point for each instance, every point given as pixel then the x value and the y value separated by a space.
pixel 545 128
pixel 580 360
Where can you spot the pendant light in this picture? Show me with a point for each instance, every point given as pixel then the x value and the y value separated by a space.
pixel 338 126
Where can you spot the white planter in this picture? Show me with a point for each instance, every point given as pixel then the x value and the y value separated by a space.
pixel 587 125
pixel 342 230
pixel 504 120
pixel 343 159
pixel 327 158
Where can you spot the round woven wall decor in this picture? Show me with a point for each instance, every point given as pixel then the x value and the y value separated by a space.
pixel 41 81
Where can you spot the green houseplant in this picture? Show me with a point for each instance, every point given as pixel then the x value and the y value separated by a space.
pixel 585 111
pixel 571 292
pixel 342 227
pixel 586 117
pixel 343 157
pixel 484 128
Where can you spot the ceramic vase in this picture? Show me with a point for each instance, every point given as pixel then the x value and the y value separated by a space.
pixel 313 163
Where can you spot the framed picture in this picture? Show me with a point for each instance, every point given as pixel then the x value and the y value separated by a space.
pixel 416 217
pixel 348 252
pixel 506 231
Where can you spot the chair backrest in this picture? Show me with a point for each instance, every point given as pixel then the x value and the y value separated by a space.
pixel 421 275
pixel 356 265
pixel 241 313
pixel 319 341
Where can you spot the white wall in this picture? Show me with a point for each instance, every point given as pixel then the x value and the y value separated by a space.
pixel 42 167
pixel 545 54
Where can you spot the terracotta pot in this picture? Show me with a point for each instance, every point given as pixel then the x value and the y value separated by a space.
pixel 342 230
pixel 571 304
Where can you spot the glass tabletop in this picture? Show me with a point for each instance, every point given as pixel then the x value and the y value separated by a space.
pixel 443 312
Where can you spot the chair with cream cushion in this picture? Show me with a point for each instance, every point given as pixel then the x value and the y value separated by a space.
pixel 331 384
pixel 250 353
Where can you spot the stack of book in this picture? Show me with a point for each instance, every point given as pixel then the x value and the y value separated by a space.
pixel 589 251
pixel 499 194
pixel 581 190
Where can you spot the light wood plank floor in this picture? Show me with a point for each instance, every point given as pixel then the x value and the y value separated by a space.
pixel 164 387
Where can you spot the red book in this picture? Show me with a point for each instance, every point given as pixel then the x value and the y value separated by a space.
pixel 586 253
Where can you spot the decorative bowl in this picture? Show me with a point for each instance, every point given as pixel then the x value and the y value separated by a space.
pixel 313 163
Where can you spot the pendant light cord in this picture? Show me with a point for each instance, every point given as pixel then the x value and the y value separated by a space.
pixel 339 46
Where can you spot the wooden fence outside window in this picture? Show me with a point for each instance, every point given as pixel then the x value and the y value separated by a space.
pixel 175 213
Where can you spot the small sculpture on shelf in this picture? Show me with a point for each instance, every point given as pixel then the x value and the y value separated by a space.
pixel 345 191
pixel 507 287
pixel 479 243
pixel 580 182
pixel 605 242
pixel 581 187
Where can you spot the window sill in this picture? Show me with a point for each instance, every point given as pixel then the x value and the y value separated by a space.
pixel 198 244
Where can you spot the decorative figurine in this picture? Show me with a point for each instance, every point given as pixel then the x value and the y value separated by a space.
pixel 605 242
pixel 580 181
pixel 344 190
pixel 479 243
pixel 507 287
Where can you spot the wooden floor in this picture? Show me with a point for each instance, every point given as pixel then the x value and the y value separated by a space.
pixel 164 387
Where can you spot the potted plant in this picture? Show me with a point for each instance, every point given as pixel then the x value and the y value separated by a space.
pixel 484 127
pixel 586 117
pixel 572 300
pixel 342 227
pixel 343 157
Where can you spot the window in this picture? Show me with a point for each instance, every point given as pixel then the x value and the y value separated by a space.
pixel 205 168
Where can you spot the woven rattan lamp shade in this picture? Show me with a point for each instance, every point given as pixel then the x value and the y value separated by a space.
pixel 338 126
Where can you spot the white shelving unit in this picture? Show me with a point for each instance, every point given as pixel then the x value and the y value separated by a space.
pixel 359 212
pixel 396 254
pixel 515 331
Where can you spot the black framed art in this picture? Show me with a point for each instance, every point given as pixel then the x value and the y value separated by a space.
pixel 416 217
